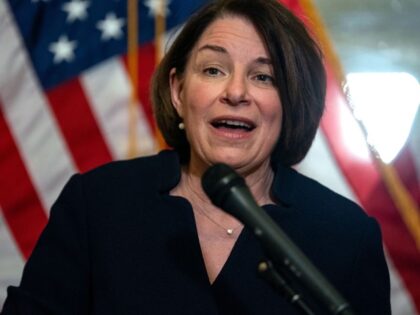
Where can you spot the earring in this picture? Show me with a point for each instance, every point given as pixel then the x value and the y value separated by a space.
pixel 181 126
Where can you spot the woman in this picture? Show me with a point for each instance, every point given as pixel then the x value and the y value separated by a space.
pixel 242 84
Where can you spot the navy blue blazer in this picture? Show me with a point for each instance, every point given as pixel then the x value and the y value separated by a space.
pixel 118 243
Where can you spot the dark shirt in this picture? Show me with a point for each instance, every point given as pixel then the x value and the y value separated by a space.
pixel 118 243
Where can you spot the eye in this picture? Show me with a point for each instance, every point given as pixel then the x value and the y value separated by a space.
pixel 264 78
pixel 212 71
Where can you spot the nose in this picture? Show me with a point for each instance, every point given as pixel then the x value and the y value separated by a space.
pixel 236 90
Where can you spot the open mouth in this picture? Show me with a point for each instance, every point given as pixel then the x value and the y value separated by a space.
pixel 233 124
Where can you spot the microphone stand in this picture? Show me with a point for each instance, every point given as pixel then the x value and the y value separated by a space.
pixel 272 276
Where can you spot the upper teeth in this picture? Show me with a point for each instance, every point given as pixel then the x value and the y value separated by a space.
pixel 235 123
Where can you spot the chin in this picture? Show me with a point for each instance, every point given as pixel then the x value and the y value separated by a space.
pixel 237 159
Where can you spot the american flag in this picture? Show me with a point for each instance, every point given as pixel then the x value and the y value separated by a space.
pixel 65 97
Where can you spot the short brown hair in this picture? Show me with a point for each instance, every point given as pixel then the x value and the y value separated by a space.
pixel 298 69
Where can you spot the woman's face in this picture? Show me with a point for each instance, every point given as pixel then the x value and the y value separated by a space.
pixel 231 109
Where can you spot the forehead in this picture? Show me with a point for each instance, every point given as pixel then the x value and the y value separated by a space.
pixel 232 31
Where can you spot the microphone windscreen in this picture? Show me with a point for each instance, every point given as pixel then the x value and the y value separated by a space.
pixel 218 180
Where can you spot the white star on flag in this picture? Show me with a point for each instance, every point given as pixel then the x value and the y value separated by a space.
pixel 111 27
pixel 158 7
pixel 63 49
pixel 76 10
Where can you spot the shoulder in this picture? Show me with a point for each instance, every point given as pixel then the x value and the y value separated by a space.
pixel 125 179
pixel 147 165
pixel 338 236
pixel 328 216
pixel 313 198
pixel 116 191
pixel 160 171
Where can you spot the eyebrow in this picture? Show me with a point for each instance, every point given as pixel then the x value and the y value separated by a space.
pixel 264 61
pixel 220 49
pixel 213 48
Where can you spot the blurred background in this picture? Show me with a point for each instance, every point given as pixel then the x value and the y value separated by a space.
pixel 378 41
pixel 377 44
pixel 74 78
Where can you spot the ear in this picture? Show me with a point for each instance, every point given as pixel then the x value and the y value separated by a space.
pixel 176 85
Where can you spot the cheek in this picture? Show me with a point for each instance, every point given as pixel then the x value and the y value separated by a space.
pixel 274 111
pixel 274 119
pixel 197 99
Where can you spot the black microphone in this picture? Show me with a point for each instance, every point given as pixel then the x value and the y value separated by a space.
pixel 228 191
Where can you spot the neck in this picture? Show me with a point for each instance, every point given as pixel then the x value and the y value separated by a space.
pixel 259 182
pixel 210 218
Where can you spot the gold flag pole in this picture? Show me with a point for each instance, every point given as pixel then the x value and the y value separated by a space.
pixel 160 27
pixel 133 25
pixel 401 197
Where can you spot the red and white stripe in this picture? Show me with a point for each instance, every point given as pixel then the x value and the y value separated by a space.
pixel 109 100
pixel 11 264
pixel 47 137
pixel 28 115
